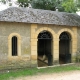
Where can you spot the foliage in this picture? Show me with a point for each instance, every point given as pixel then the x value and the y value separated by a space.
pixel 23 3
pixel 6 2
pixel 61 5
pixel 44 4
pixel 78 4
pixel 3 1
pixel 69 6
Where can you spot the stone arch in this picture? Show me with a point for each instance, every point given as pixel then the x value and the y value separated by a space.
pixel 66 30
pixel 52 35
pixel 14 34
pixel 73 42
pixel 34 35
pixel 10 44
pixel 47 29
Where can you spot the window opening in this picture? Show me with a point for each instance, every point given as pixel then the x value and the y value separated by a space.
pixel 14 46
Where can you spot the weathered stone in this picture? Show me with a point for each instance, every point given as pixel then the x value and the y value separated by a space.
pixel 29 15
pixel 19 22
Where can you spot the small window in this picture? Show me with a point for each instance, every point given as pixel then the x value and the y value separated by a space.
pixel 14 46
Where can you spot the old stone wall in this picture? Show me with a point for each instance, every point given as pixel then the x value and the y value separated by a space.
pixel 27 34
pixel 23 29
pixel 56 30
pixel 78 38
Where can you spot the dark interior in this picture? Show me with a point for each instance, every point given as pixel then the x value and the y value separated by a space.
pixel 14 46
pixel 64 48
pixel 44 47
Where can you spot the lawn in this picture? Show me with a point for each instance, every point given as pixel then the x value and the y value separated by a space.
pixel 34 71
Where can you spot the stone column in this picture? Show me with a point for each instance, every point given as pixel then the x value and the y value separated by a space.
pixel 74 45
pixel 74 50
pixel 56 51
pixel 33 46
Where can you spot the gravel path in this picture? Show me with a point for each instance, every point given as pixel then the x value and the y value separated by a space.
pixel 71 75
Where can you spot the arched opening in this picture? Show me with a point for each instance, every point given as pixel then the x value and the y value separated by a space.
pixel 44 48
pixel 14 46
pixel 64 48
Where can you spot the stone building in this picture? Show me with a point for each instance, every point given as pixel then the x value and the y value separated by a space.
pixel 26 35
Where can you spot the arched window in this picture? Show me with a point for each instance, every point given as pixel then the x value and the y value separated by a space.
pixel 14 46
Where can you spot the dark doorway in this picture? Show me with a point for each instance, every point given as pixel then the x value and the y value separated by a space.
pixel 44 49
pixel 64 48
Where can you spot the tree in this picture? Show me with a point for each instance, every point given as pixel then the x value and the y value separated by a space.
pixel 78 4
pixel 44 4
pixel 41 4
pixel 48 4
pixel 23 3
pixel 61 5
pixel 69 6
pixel 3 1
pixel 6 2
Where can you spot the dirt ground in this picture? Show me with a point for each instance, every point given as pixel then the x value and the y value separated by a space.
pixel 70 75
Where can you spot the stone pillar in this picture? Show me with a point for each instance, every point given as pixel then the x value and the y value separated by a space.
pixel 56 51
pixel 74 45
pixel 74 50
pixel 33 46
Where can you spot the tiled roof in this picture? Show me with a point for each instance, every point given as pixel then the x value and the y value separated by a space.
pixel 30 15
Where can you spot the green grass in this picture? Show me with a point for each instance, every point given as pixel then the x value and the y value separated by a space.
pixel 34 71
